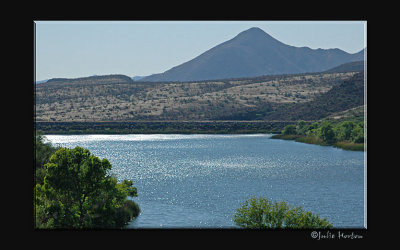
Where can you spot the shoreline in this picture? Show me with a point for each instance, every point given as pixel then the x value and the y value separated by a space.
pixel 345 145
pixel 186 127
pixel 163 127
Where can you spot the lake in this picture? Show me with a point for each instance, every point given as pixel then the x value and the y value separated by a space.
pixel 198 181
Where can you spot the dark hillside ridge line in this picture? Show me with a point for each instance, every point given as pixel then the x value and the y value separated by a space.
pixel 347 67
pixel 162 127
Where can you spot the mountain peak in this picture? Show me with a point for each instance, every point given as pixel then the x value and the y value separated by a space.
pixel 253 52
pixel 255 34
pixel 254 30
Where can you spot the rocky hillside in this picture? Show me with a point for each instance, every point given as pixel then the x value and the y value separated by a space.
pixel 274 97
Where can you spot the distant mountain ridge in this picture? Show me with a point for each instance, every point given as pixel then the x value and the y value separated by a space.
pixel 41 81
pixel 96 79
pixel 254 53
pixel 137 78
pixel 119 78
pixel 348 67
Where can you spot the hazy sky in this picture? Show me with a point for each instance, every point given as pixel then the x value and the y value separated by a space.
pixel 70 49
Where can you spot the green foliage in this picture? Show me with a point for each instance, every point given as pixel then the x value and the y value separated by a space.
pixel 313 130
pixel 327 133
pixel 77 192
pixel 289 130
pixel 262 213
pixel 344 129
pixel 357 134
pixel 301 127
pixel 43 151
pixel 346 134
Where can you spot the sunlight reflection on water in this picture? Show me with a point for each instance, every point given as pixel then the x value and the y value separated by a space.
pixel 199 180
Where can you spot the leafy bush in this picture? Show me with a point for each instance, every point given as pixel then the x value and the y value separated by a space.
pixel 302 128
pixel 290 130
pixel 357 134
pixel 263 213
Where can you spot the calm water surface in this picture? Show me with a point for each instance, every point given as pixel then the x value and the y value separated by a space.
pixel 198 181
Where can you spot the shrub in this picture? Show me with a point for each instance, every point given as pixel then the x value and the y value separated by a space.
pixel 302 128
pixel 263 213
pixel 357 134
pixel 289 130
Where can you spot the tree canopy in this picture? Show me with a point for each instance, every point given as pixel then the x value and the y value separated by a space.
pixel 78 192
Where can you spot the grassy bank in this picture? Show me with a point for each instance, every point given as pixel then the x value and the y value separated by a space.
pixel 350 146
pixel 346 145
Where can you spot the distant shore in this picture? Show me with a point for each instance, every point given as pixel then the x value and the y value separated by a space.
pixel 163 127
pixel 345 145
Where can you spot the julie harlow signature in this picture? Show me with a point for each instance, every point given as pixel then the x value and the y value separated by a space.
pixel 318 235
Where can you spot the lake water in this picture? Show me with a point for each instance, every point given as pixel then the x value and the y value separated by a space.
pixel 198 181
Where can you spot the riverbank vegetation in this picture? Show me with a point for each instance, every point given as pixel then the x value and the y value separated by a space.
pixel 261 213
pixel 73 190
pixel 348 135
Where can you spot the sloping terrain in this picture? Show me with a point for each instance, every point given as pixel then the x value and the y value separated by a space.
pixel 274 97
pixel 344 96
pixel 348 67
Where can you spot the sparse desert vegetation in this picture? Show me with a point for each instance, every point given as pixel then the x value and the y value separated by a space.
pixel 118 98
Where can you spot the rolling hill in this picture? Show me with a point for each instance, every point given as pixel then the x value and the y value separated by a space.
pixel 118 98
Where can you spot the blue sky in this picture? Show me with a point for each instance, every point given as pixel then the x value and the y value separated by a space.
pixel 70 49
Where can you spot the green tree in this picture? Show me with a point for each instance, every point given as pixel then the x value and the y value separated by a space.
pixel 357 134
pixel 302 128
pixel 43 151
pixel 77 192
pixel 344 130
pixel 289 130
pixel 312 129
pixel 263 213
pixel 327 133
